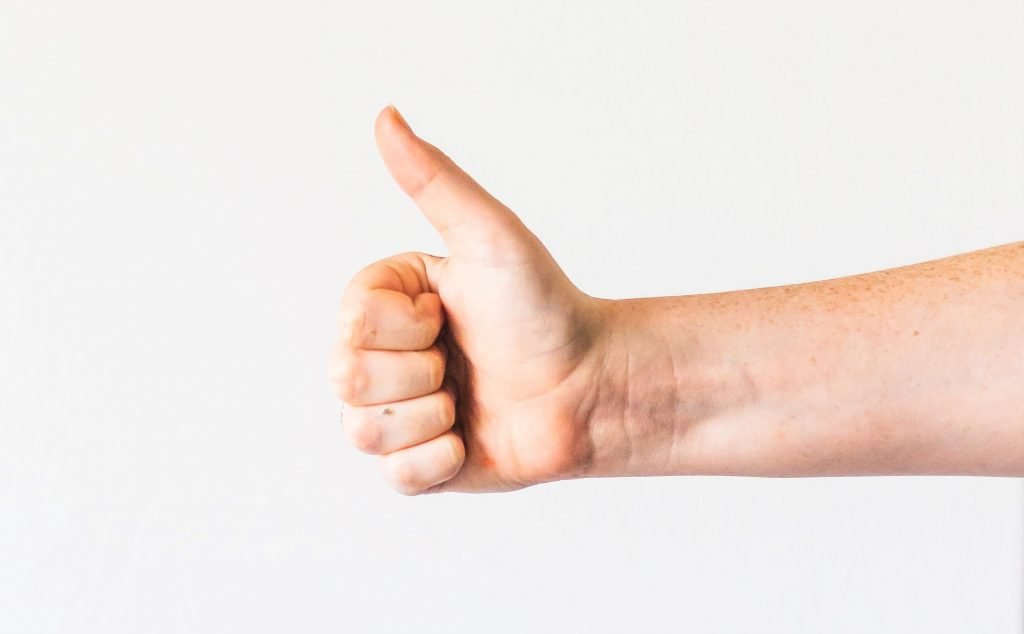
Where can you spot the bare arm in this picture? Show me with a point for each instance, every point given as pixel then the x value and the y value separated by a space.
pixel 488 370
pixel 916 370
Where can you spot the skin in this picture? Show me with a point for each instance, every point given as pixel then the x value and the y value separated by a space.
pixel 488 370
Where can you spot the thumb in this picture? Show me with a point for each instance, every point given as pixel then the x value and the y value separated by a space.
pixel 471 221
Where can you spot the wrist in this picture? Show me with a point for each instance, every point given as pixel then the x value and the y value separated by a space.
pixel 665 397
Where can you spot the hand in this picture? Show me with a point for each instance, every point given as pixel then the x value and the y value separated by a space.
pixel 474 372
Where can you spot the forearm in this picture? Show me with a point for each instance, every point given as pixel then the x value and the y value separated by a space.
pixel 913 370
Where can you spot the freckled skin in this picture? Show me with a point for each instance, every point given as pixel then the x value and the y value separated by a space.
pixel 918 369
pixel 488 370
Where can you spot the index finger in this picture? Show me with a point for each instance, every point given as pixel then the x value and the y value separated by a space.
pixel 389 305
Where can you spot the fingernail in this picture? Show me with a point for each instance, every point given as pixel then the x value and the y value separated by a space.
pixel 401 119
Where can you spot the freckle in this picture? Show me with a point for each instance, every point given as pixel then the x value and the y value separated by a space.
pixel 387 412
pixel 916 333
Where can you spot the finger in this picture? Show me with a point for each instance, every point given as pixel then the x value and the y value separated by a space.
pixel 382 429
pixel 390 305
pixel 383 319
pixel 469 219
pixel 415 469
pixel 371 377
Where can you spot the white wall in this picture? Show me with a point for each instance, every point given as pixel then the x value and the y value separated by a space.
pixel 186 188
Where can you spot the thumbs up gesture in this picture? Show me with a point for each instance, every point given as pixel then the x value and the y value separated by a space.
pixel 487 370
pixel 471 372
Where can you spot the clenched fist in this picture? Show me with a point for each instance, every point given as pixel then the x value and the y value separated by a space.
pixel 472 372
pixel 488 370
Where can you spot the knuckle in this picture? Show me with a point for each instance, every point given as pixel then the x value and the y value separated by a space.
pixel 364 434
pixel 348 377
pixel 403 477
pixel 353 322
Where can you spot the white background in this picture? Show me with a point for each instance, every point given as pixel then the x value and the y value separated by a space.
pixel 186 187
